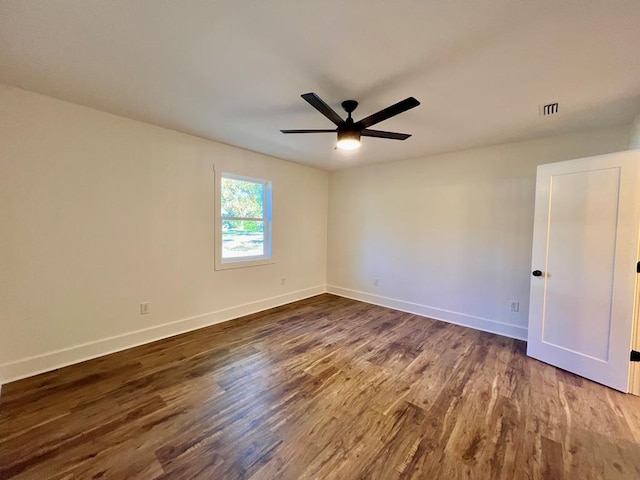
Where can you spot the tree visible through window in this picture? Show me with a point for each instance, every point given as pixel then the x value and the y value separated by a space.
pixel 245 218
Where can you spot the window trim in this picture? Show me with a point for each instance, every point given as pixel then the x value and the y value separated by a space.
pixel 240 262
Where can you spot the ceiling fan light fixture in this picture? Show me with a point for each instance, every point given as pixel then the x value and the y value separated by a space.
pixel 348 139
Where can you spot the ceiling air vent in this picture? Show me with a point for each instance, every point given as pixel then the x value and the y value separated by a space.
pixel 548 109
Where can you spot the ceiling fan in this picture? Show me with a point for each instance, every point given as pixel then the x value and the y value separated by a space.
pixel 349 132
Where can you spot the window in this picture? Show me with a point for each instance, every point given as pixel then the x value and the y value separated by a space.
pixel 243 222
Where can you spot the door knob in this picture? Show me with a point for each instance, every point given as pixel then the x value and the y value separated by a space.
pixel 536 273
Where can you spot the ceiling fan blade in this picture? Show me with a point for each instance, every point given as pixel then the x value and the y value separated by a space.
pixel 389 112
pixel 317 103
pixel 308 131
pixel 380 134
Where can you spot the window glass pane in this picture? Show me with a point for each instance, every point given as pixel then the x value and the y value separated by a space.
pixel 242 238
pixel 242 199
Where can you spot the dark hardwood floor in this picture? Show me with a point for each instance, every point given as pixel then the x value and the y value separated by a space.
pixel 325 388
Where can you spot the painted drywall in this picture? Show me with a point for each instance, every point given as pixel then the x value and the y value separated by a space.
pixel 448 236
pixel 100 213
pixel 635 134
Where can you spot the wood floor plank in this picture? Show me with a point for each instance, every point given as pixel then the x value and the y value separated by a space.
pixel 325 388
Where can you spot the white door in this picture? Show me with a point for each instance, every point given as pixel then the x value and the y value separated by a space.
pixel 585 252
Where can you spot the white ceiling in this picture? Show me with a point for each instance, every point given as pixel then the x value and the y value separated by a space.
pixel 233 71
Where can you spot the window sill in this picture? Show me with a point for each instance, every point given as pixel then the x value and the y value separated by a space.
pixel 229 264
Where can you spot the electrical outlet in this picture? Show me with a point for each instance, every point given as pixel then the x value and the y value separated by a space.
pixel 514 306
pixel 144 308
pixel 376 282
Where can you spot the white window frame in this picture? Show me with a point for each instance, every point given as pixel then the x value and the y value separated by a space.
pixel 238 262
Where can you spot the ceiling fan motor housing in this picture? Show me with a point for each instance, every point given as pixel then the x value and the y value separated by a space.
pixel 347 133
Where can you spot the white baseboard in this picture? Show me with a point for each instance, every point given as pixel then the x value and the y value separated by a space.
pixel 30 366
pixel 479 323
pixel 60 358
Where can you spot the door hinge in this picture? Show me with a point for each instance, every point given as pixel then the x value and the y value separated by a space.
pixel 638 267
pixel 635 356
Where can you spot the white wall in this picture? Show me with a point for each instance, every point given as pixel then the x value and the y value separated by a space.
pixel 448 236
pixel 100 213
pixel 635 134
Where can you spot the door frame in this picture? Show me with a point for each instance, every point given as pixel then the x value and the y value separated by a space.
pixel 634 370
